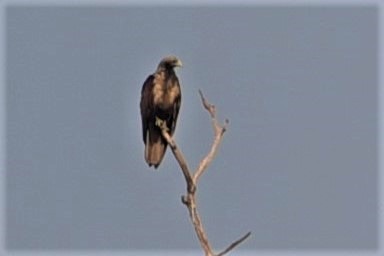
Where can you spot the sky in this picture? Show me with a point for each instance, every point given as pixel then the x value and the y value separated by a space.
pixel 298 165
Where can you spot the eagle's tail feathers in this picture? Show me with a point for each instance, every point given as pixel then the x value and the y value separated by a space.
pixel 154 152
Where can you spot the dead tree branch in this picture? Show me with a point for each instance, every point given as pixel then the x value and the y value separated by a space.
pixel 180 158
pixel 189 200
pixel 234 244
pixel 218 134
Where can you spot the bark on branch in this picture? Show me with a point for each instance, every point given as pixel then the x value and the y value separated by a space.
pixel 189 200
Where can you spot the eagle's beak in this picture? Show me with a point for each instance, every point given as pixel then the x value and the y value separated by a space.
pixel 179 64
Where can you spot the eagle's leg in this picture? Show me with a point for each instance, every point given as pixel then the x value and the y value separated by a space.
pixel 162 124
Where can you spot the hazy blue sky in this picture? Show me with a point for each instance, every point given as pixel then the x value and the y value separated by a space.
pixel 298 165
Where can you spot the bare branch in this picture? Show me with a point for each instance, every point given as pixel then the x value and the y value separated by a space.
pixel 209 107
pixel 180 158
pixel 234 244
pixel 218 133
pixel 189 200
pixel 197 224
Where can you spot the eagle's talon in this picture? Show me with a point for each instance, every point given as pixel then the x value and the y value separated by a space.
pixel 161 123
pixel 158 122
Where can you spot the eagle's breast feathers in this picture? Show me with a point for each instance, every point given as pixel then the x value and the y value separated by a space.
pixel 165 90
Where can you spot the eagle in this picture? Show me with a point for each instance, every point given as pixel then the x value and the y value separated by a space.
pixel 160 102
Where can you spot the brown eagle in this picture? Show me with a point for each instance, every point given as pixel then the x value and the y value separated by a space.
pixel 160 101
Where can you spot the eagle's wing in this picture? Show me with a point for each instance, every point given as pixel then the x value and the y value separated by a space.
pixel 146 104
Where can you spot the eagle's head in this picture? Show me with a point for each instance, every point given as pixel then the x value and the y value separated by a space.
pixel 170 62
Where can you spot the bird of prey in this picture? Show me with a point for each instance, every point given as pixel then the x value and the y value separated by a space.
pixel 160 102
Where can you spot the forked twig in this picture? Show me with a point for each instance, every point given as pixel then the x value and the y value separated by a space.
pixel 234 244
